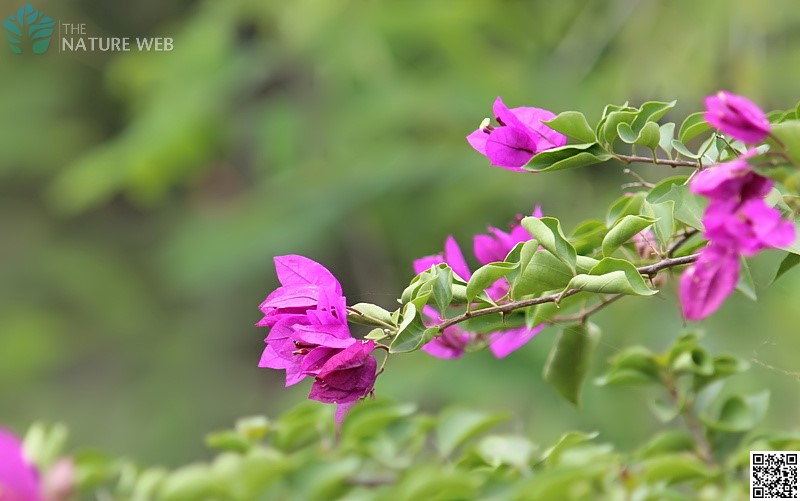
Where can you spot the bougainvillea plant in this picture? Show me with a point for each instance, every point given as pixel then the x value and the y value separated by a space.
pixel 693 233
pixel 535 269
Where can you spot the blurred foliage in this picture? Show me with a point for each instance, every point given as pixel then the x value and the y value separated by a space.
pixel 142 195
pixel 391 451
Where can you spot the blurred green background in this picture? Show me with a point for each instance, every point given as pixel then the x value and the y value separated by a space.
pixel 143 196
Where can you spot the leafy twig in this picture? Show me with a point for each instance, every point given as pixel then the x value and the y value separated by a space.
pixel 585 313
pixel 658 161
pixel 648 270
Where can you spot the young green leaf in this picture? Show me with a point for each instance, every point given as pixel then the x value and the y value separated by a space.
pixel 788 262
pixel 623 231
pixel 623 206
pixel 612 276
pixel 568 157
pixel 574 125
pixel 543 272
pixel 692 126
pixel 568 362
pixel 547 231
pixel 457 426
pixel 486 275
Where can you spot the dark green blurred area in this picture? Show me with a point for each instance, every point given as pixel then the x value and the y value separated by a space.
pixel 143 195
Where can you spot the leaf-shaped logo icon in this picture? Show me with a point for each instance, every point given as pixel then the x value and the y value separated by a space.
pixel 29 30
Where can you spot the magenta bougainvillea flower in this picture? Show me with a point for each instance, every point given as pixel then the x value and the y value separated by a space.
pixel 737 117
pixel 709 281
pixel 747 228
pixel 519 135
pixel 347 375
pixel 310 337
pixel 496 245
pixel 301 280
pixel 487 248
pixel 505 342
pixel 19 479
pixel 738 222
pixel 733 180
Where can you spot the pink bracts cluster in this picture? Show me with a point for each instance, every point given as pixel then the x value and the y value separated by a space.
pixel 519 135
pixel 487 248
pixel 309 335
pixel 19 479
pixel 737 221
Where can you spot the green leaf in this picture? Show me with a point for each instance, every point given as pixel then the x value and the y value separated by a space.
pixel 626 133
pixel 190 482
pixel 687 341
pixel 664 215
pixel 443 289
pixel 666 135
pixel 652 111
pixel 227 440
pixel 723 366
pixel 612 276
pixel 543 272
pixel 547 231
pixel 694 361
pixel 457 426
pixel 513 450
pixel 683 150
pixel 648 136
pixel 567 441
pixel 663 187
pixel 692 126
pixel 43 444
pixel 370 417
pixel 665 411
pixel 301 425
pixel 568 157
pixel 574 125
pixel 790 261
pixel 745 284
pixel 93 468
pixel 584 264
pixel 687 209
pixel 369 314
pixel 738 414
pixel 670 441
pixel 612 122
pixel 377 334
pixel 412 333
pixel 568 362
pixel 675 468
pixel 789 134
pixel 623 231
pixel 623 206
pixel 632 366
pixel 588 235
pixel 486 275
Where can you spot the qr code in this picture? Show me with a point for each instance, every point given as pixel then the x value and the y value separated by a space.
pixel 773 475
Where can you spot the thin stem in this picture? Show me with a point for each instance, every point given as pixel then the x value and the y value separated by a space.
pixel 584 314
pixel 658 161
pixel 375 321
pixel 648 270
pixel 694 425
pixel 689 233
pixel 640 178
